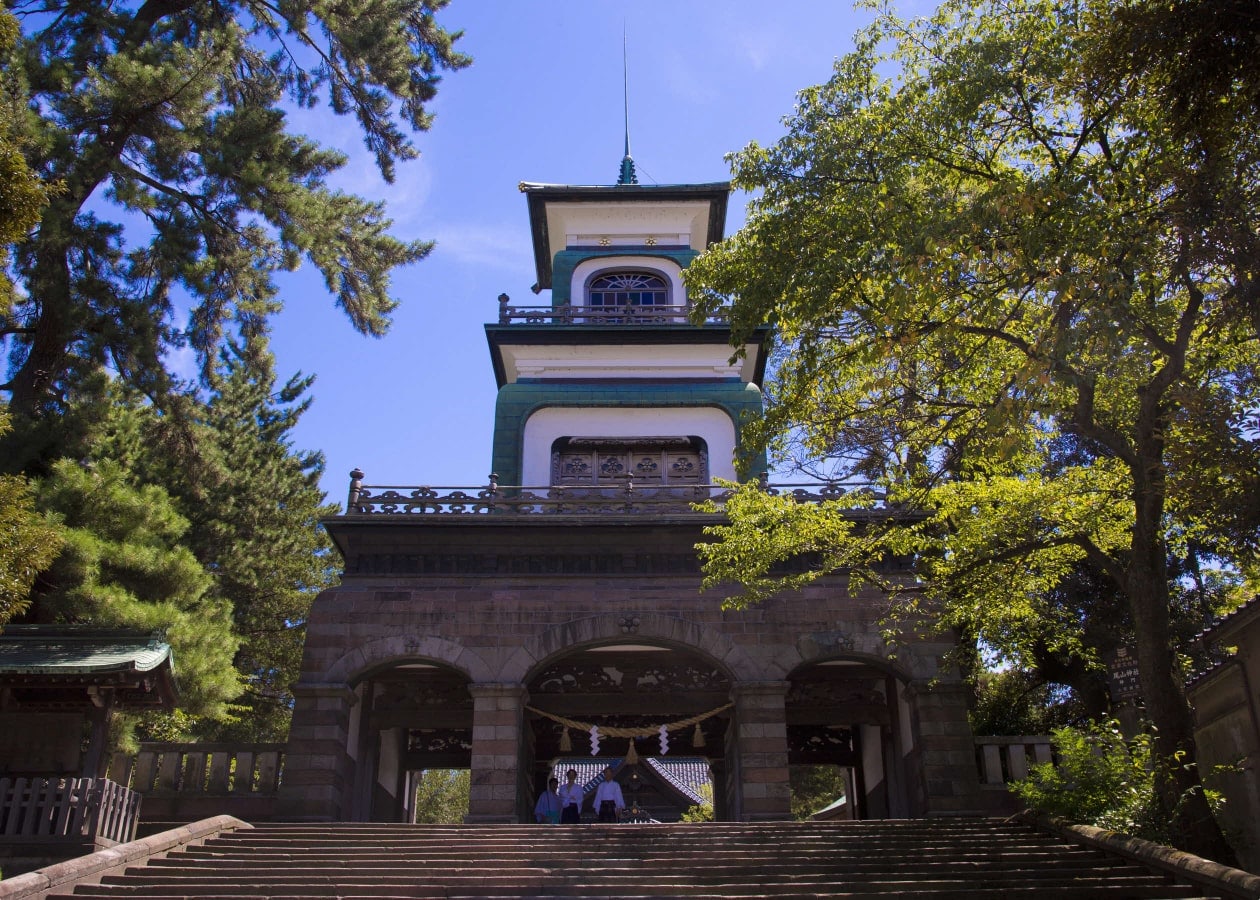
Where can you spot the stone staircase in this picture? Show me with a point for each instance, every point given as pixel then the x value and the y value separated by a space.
pixel 961 859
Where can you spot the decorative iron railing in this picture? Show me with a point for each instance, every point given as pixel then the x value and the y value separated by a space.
pixel 631 498
pixel 162 768
pixel 1005 759
pixel 570 314
pixel 75 810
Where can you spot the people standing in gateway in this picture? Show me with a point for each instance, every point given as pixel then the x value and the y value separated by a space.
pixel 608 799
pixel 547 809
pixel 571 800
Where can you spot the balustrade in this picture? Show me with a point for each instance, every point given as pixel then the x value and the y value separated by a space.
pixel 570 314
pixel 74 810
pixel 1006 759
pixel 627 498
pixel 160 768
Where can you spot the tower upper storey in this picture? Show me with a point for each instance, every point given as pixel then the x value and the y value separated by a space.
pixel 577 230
pixel 612 379
pixel 613 258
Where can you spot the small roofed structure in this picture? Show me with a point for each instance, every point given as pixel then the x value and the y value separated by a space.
pixel 59 685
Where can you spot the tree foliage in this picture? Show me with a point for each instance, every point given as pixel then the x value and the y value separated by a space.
pixel 1100 778
pixel 981 253
pixel 22 194
pixel 814 788
pixel 165 121
pixel 442 796
pixel 252 504
pixel 123 565
pixel 28 542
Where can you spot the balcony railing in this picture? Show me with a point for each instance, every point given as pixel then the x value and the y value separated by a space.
pixel 569 314
pixel 631 498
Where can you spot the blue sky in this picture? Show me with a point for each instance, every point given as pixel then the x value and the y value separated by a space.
pixel 542 102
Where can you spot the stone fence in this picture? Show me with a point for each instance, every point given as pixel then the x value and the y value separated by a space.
pixel 187 782
pixel 1006 759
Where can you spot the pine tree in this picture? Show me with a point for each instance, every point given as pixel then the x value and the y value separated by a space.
pixel 253 505
pixel 171 114
pixel 123 565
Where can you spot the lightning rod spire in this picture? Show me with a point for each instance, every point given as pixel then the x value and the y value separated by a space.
pixel 627 175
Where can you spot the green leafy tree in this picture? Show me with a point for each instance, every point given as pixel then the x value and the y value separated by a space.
pixel 28 541
pixel 1019 702
pixel 1099 778
pixel 253 505
pixel 815 788
pixel 702 811
pixel 22 195
pixel 977 251
pixel 169 116
pixel 442 796
pixel 123 565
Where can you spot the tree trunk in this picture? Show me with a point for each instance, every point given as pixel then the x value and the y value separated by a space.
pixel 1178 785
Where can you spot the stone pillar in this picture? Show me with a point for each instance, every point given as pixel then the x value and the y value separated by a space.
pixel 761 743
pixel 951 783
pixel 498 717
pixel 317 768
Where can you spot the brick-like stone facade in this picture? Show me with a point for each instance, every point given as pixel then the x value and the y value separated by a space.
pixel 492 599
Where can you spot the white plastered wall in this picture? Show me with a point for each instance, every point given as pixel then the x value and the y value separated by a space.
pixel 546 426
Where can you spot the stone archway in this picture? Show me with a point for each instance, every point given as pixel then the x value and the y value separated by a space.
pixel 409 717
pixel 631 685
pixel 853 712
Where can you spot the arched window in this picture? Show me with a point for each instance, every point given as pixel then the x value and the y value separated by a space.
pixel 627 289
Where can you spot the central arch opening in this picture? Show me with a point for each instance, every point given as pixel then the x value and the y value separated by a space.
pixel 633 687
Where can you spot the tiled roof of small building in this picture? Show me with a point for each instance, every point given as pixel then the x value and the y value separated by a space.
pixel 590 771
pixel 1228 621
pixel 686 773
pixel 79 650
pixel 1223 629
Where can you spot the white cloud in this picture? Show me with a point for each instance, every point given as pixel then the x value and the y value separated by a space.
pixel 495 246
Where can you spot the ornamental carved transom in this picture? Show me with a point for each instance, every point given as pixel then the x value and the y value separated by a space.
pixel 837 692
pixel 572 677
pixel 439 740
pixel 435 693
pixel 647 462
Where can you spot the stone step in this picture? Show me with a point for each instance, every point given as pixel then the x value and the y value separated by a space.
pixel 238 869
pixel 606 867
pixel 641 851
pixel 813 892
pixel 941 860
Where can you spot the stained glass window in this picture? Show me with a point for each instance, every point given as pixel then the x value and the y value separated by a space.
pixel 628 289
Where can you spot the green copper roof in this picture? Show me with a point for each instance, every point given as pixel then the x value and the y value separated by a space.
pixel 79 650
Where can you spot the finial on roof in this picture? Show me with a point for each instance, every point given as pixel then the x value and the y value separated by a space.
pixel 627 175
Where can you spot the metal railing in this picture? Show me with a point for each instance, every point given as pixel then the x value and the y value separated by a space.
pixel 571 314
pixel 71 809
pixel 534 500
